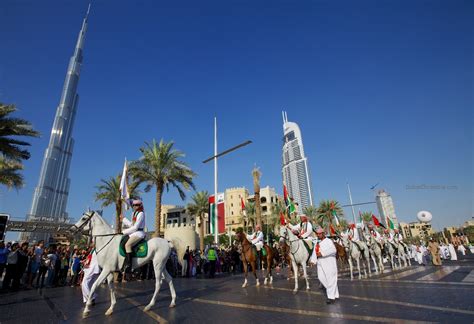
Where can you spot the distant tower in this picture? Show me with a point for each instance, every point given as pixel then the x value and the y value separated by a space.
pixel 295 165
pixel 386 208
pixel 51 194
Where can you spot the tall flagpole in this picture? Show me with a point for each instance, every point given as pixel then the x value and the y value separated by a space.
pixel 352 205
pixel 216 210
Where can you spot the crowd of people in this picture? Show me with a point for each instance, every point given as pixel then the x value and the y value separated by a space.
pixel 36 266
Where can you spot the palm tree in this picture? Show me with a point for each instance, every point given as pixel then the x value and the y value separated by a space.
pixel 12 148
pixel 326 211
pixel 159 167
pixel 199 207
pixel 256 174
pixel 109 193
pixel 9 173
pixel 275 211
pixel 311 212
pixel 366 217
pixel 250 212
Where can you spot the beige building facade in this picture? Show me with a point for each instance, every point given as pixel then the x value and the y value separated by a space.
pixel 233 207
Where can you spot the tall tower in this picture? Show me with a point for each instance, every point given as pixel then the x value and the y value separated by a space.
pixel 51 194
pixel 295 165
pixel 386 208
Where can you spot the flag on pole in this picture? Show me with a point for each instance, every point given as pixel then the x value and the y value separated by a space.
pixel 282 219
pixel 333 212
pixel 124 194
pixel 390 223
pixel 376 221
pixel 333 230
pixel 288 202
pixel 212 214
pixel 242 204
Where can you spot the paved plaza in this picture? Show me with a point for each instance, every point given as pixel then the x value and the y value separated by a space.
pixel 418 293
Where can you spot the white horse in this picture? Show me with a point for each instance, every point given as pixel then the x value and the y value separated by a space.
pixel 402 253
pixel 108 257
pixel 375 253
pixel 357 251
pixel 390 250
pixel 298 253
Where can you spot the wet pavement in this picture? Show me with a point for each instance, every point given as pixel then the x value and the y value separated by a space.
pixel 416 293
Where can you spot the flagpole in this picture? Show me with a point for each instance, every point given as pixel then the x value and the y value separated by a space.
pixel 352 205
pixel 216 210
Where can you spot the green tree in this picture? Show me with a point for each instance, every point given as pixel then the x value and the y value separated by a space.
pixel 311 212
pixel 250 212
pixel 10 175
pixel 161 166
pixel 198 208
pixel 108 192
pixel 12 150
pixel 366 217
pixel 275 210
pixel 326 211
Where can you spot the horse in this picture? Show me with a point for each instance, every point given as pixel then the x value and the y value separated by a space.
pixel 375 253
pixel 358 252
pixel 390 251
pixel 107 249
pixel 402 253
pixel 298 253
pixel 341 254
pixel 247 255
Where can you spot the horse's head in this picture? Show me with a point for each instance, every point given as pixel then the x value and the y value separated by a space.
pixel 283 234
pixel 84 222
pixel 345 241
pixel 239 234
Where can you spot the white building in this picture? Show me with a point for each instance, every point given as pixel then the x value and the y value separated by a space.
pixel 295 171
pixel 386 208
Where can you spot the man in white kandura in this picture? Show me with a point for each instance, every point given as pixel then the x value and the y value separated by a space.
pixel 303 230
pixel 325 253
pixel 135 230
pixel 257 238
pixel 91 273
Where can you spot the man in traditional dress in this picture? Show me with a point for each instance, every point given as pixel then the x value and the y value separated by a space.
pixel 256 238
pixel 91 272
pixel 303 230
pixel 135 230
pixel 433 247
pixel 327 266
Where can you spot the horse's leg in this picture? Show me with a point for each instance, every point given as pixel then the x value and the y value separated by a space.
pixel 305 273
pixel 169 280
pixel 295 273
pixel 366 260
pixel 246 273
pixel 351 267
pixel 270 266
pixel 99 280
pixel 113 300
pixel 158 267
pixel 375 263
pixel 358 267
pixel 254 270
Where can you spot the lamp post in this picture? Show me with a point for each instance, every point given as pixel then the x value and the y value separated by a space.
pixel 216 155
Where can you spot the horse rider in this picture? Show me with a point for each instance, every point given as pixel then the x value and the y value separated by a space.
pixel 399 238
pixel 257 239
pixel 135 231
pixel 91 272
pixel 304 230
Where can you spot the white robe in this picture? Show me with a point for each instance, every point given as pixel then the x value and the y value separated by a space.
pixel 136 228
pixel 327 268
pixel 452 252
pixel 462 249
pixel 91 273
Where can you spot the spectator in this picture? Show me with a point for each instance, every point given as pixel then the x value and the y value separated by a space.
pixel 21 264
pixel 212 258
pixel 3 257
pixel 43 269
pixel 35 262
pixel 52 258
pixel 75 268
pixel 184 271
pixel 12 260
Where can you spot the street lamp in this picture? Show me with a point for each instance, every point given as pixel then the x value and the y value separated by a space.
pixel 216 155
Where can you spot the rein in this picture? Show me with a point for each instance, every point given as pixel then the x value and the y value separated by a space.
pixel 98 235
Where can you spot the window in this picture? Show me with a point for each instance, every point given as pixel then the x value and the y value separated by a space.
pixel 232 213
pixel 264 208
pixel 232 222
pixel 263 200
pixel 184 220
pixel 232 205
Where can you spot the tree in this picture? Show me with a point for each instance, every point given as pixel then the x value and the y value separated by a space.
pixel 110 194
pixel 256 174
pixel 276 210
pixel 326 211
pixel 199 207
pixel 12 151
pixel 366 217
pixel 311 212
pixel 250 212
pixel 9 173
pixel 160 166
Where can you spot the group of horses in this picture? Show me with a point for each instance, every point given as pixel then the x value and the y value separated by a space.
pixel 290 248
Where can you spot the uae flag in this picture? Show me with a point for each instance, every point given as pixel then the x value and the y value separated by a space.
pixel 390 223
pixel 216 212
pixel 333 212
pixel 288 202
pixel 376 221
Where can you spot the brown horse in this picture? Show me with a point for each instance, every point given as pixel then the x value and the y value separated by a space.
pixel 341 255
pixel 285 253
pixel 248 256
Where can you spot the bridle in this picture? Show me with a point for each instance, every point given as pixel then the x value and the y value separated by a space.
pixel 87 221
pixel 286 237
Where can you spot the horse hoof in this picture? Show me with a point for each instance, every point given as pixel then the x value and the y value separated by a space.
pixel 85 314
pixel 109 312
pixel 147 308
pixel 265 281
pixel 172 305
pixel 244 285
pixel 295 290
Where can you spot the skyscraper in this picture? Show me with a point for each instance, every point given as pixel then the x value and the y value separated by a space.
pixel 386 208
pixel 51 194
pixel 295 165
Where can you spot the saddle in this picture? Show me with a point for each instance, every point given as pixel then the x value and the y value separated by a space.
pixel 264 251
pixel 361 248
pixel 139 250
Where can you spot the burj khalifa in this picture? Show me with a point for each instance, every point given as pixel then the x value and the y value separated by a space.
pixel 51 195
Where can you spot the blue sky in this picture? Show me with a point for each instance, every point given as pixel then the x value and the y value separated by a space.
pixel 382 91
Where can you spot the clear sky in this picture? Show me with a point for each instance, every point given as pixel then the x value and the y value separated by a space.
pixel 382 91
